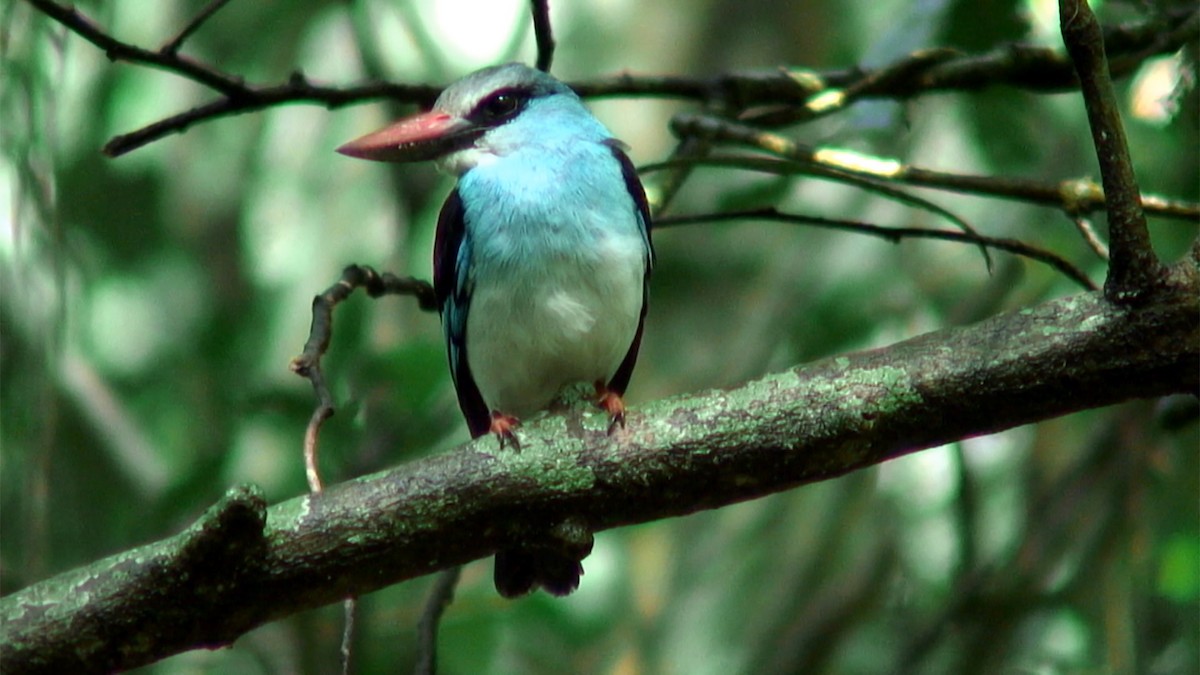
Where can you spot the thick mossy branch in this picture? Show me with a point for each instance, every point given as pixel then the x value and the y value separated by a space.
pixel 232 571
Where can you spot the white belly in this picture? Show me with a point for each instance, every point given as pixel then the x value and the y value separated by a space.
pixel 539 329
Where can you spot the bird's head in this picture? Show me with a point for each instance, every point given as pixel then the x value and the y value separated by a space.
pixel 487 114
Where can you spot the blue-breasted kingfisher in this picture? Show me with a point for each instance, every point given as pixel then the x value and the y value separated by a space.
pixel 541 261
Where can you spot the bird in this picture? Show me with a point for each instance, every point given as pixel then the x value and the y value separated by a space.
pixel 541 263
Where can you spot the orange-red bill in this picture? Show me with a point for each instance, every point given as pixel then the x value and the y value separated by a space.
pixel 416 138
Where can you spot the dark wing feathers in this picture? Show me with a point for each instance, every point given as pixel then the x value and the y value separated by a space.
pixel 451 285
pixel 450 232
pixel 620 379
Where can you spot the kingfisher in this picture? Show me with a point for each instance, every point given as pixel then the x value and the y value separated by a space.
pixel 541 261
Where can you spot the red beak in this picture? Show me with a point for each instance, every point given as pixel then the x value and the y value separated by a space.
pixel 425 136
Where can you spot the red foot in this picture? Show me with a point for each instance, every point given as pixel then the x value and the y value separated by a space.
pixel 612 403
pixel 502 427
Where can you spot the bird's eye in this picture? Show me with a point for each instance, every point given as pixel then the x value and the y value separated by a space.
pixel 500 106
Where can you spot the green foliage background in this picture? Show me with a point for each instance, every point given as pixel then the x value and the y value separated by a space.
pixel 149 306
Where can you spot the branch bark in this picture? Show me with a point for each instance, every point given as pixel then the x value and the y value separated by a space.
pixel 1133 269
pixel 243 564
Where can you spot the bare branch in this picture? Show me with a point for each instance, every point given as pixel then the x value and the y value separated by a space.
pixel 298 89
pixel 308 363
pixel 1020 66
pixel 192 26
pixel 1027 67
pixel 1071 196
pixel 543 33
pixel 440 597
pixel 117 50
pixel 868 183
pixel 908 69
pixel 892 234
pixel 312 432
pixel 1134 270
pixel 1089 235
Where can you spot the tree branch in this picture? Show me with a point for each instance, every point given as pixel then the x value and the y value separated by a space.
pixel 308 363
pixel 1022 66
pixel 1134 269
pixel 543 33
pixel 1073 197
pixel 297 90
pixel 243 565
pixel 192 26
pixel 892 234
pixel 440 597
pixel 165 59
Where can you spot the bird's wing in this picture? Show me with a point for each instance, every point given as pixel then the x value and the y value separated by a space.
pixel 451 284
pixel 620 379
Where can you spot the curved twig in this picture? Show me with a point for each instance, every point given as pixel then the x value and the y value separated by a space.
pixel 892 234
pixel 308 363
pixel 818 170
pixel 440 597
pixel 164 59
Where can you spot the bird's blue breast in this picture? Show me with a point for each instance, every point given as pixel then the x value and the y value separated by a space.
pixel 557 262
pixel 534 205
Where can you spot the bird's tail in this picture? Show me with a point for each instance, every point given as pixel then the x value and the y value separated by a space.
pixel 521 570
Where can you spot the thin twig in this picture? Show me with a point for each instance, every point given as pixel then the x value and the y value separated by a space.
pixel 298 89
pixel 1021 66
pixel 1072 196
pixel 440 597
pixel 1134 270
pixel 908 69
pixel 892 234
pixel 192 26
pixel 543 33
pixel 308 363
pixel 818 169
pixel 312 432
pixel 684 158
pixel 1028 67
pixel 1080 195
pixel 117 50
pixel 1089 235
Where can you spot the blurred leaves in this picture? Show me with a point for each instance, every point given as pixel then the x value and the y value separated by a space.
pixel 149 306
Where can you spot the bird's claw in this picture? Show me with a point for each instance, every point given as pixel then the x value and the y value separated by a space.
pixel 613 404
pixel 502 427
